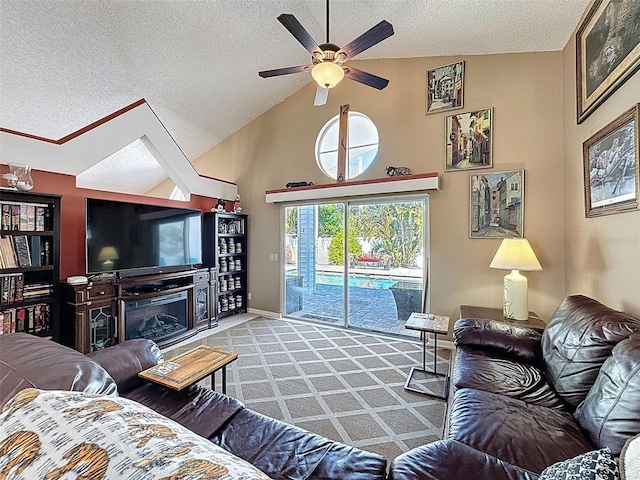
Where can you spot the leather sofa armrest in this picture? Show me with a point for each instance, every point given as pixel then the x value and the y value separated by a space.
pixel 512 341
pixel 447 459
pixel 125 360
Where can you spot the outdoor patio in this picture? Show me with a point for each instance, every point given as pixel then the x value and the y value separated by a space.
pixel 369 308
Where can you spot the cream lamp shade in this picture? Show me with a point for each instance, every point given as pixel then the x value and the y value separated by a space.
pixel 515 254
pixel 327 74
pixel 107 256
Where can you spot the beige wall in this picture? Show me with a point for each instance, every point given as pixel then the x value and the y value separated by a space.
pixel 602 256
pixel 526 91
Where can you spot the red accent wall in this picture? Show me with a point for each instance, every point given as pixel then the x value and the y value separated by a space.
pixel 72 261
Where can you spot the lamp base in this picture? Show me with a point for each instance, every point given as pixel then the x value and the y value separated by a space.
pixel 515 302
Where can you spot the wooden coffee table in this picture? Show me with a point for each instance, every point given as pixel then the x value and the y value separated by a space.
pixel 438 325
pixel 191 367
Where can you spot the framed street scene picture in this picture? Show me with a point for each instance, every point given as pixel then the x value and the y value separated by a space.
pixel 468 140
pixel 607 51
pixel 611 166
pixel 445 88
pixel 496 204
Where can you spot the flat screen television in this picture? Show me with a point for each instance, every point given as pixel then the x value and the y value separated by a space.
pixel 132 238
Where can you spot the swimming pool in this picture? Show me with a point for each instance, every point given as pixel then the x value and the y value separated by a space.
pixel 363 281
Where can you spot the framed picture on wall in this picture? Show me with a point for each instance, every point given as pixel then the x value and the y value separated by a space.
pixel 468 138
pixel 607 51
pixel 611 166
pixel 445 88
pixel 496 204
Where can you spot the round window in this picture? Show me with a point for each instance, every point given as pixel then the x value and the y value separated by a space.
pixel 363 145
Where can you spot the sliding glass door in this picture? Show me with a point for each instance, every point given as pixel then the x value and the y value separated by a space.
pixel 358 264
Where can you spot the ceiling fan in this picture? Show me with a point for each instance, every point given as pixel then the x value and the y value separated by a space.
pixel 327 60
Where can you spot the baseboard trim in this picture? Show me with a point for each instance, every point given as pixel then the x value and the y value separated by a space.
pixel 264 313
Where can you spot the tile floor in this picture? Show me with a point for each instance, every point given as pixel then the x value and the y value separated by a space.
pixel 345 385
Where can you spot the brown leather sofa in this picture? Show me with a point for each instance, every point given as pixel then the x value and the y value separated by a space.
pixel 522 399
pixel 280 450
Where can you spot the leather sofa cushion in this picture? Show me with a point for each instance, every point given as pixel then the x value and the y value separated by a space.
pixel 528 436
pixel 578 339
pixel 200 409
pixel 449 459
pixel 511 341
pixel 611 411
pixel 483 370
pixel 286 452
pixel 125 360
pixel 29 361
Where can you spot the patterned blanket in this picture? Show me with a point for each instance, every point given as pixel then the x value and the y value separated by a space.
pixel 49 434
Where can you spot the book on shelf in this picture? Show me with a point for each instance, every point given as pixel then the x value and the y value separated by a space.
pixel 30 319
pixel 33 294
pixel 45 258
pixel 5 221
pixel 36 251
pixel 18 288
pixel 40 218
pixel 23 220
pixel 28 217
pixel 21 246
pixel 7 253
pixel 31 217
pixel 13 289
pixel 15 217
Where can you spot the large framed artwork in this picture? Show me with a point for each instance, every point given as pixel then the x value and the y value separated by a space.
pixel 611 166
pixel 496 204
pixel 469 140
pixel 445 88
pixel 607 51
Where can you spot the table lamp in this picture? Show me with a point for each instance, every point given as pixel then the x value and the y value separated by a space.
pixel 107 256
pixel 515 254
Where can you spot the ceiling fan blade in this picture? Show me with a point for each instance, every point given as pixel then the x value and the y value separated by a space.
pixel 368 39
pixel 283 71
pixel 297 30
pixel 366 78
pixel 321 96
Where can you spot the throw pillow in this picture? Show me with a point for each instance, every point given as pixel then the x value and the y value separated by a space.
pixel 56 434
pixel 630 459
pixel 596 465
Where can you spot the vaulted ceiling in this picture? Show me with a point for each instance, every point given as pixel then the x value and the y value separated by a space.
pixel 67 63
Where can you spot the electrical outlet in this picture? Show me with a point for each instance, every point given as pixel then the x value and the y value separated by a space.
pixel 249 296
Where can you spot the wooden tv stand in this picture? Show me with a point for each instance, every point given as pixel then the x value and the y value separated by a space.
pixel 94 313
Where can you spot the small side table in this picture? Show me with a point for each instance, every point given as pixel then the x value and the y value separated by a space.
pixel 191 367
pixel 472 311
pixel 438 325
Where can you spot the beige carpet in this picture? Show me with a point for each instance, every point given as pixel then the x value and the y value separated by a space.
pixel 345 385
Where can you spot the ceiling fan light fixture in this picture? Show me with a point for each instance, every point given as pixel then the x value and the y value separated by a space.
pixel 327 74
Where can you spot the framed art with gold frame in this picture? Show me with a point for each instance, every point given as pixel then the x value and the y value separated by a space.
pixel 607 51
pixel 611 166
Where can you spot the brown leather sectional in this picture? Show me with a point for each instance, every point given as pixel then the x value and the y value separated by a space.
pixel 280 450
pixel 523 399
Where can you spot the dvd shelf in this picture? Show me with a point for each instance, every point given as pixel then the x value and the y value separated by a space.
pixel 225 248
pixel 29 263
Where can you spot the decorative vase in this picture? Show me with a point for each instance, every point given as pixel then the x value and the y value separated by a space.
pixel 23 172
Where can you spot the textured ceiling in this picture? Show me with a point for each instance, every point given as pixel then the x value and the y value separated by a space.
pixel 65 64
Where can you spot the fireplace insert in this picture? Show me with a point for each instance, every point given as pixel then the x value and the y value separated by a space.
pixel 156 318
